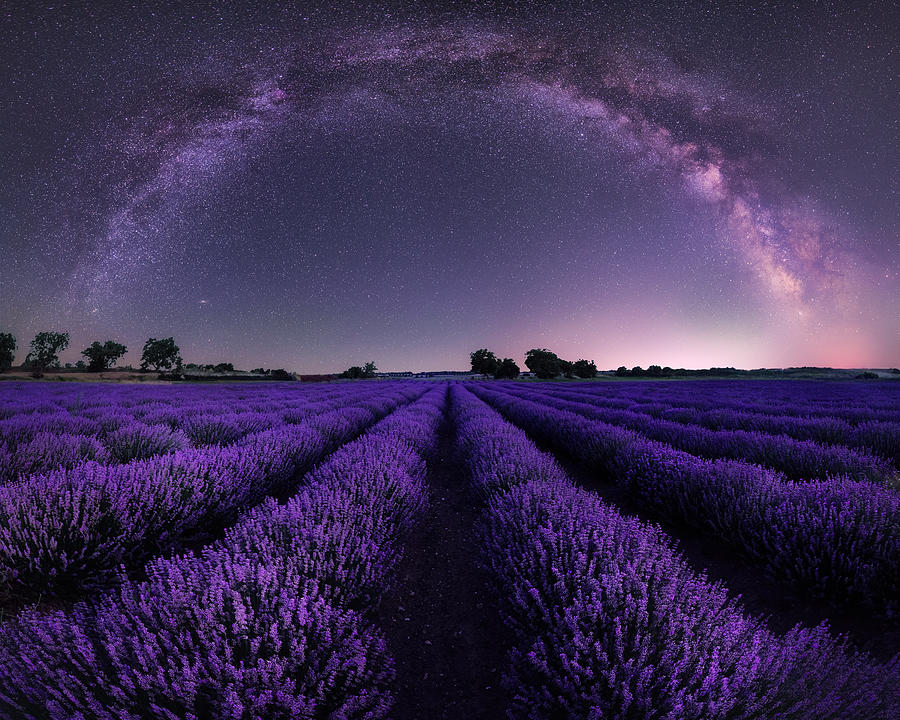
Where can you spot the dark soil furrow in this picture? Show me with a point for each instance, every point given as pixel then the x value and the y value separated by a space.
pixel 441 617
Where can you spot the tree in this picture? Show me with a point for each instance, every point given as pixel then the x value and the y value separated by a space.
pixel 359 373
pixel 280 374
pixel 621 371
pixel 584 368
pixel 100 357
pixel 484 362
pixel 224 367
pixel 654 371
pixel 543 363
pixel 45 349
pixel 637 371
pixel 7 350
pixel 160 354
pixel 506 370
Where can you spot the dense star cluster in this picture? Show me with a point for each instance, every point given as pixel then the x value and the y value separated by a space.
pixel 311 186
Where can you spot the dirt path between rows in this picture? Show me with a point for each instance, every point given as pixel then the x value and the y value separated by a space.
pixel 441 619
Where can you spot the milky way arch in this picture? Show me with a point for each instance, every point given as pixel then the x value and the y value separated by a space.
pixel 691 128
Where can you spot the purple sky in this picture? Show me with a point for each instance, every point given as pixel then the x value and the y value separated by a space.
pixel 311 189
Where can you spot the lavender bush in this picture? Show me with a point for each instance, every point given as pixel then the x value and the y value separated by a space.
pixel 611 622
pixel 136 441
pixel 296 503
pixel 798 459
pixel 263 623
pixel 69 530
pixel 835 539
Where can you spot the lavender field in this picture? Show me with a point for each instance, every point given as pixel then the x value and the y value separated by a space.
pixel 405 549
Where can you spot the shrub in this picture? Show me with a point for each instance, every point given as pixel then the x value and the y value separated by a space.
pixel 137 441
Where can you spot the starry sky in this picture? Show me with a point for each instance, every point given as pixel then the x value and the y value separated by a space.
pixel 312 186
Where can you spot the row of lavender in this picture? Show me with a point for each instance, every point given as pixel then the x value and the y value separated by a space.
pixel 836 539
pixel 797 459
pixel 44 427
pixel 852 402
pixel 271 621
pixel 610 621
pixel 69 530
pixel 865 417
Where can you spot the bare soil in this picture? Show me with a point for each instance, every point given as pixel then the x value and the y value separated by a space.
pixel 441 616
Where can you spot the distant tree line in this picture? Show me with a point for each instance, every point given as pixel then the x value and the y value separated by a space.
pixel 221 367
pixel 546 365
pixel 44 350
pixel 278 374
pixel 542 362
pixel 227 367
pixel 657 371
pixel 161 355
pixel 484 362
pixel 357 372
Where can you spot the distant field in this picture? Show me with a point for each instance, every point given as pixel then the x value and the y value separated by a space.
pixel 69 376
pixel 356 549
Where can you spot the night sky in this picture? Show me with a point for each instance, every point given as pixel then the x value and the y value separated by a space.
pixel 311 188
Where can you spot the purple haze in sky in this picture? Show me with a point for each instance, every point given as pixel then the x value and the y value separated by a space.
pixel 313 188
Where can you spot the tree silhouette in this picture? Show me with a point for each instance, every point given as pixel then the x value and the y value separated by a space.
pixel 484 362
pixel 7 350
pixel 160 354
pixel 102 356
pixel 544 364
pixel 506 370
pixel 45 349
pixel 356 372
pixel 584 368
